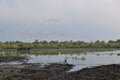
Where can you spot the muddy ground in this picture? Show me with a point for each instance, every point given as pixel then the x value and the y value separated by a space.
pixel 58 72
pixel 104 72
pixel 33 71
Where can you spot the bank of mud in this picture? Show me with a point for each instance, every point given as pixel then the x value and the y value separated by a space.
pixel 104 72
pixel 33 71
pixel 30 71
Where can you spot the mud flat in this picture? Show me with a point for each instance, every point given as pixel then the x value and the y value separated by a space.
pixel 30 71
pixel 33 71
pixel 104 72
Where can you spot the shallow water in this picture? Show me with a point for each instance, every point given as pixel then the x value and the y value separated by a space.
pixel 80 60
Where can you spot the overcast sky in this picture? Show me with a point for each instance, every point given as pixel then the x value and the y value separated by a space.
pixel 87 20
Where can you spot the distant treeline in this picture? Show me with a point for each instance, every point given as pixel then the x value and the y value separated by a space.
pixel 59 45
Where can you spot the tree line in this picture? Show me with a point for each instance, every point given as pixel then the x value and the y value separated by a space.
pixel 60 44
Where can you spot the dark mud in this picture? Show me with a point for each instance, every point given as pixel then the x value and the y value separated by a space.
pixel 58 72
pixel 104 72
pixel 33 71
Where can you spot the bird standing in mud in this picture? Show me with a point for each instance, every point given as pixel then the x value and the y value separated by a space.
pixel 65 60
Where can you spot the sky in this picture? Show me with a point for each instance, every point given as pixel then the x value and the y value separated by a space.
pixel 85 20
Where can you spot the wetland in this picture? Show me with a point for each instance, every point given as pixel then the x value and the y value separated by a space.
pixel 60 65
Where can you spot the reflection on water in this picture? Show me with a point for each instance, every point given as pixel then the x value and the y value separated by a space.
pixel 80 60
pixel 12 57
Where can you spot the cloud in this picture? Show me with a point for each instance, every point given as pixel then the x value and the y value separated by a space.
pixel 61 19
pixel 41 10
pixel 29 10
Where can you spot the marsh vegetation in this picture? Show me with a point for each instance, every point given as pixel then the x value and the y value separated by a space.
pixel 58 44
